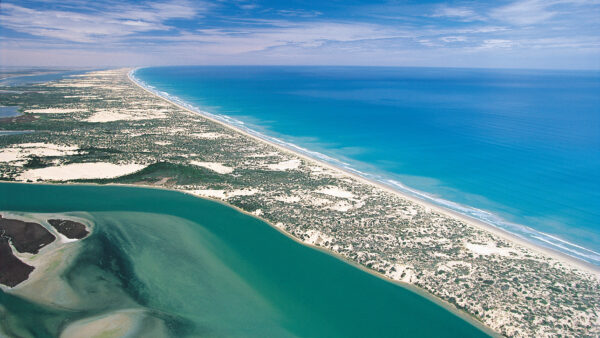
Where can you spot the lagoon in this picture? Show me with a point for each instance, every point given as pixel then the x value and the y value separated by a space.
pixel 204 268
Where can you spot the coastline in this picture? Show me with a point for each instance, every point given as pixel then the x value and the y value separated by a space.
pixel 471 272
pixel 504 234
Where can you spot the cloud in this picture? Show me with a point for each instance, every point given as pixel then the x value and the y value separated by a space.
pixel 237 31
pixel 299 13
pixel 307 35
pixel 457 13
pixel 496 44
pixel 530 12
pixel 453 38
pixel 524 12
pixel 87 27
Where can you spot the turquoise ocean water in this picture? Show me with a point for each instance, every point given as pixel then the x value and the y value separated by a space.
pixel 519 149
pixel 208 270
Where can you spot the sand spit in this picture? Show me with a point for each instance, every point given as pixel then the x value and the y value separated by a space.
pixel 469 265
pixel 78 171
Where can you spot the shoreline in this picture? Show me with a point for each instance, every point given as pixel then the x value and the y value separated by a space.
pixel 504 234
pixel 411 287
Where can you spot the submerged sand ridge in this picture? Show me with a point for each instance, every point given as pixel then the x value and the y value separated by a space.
pixel 94 297
pixel 513 288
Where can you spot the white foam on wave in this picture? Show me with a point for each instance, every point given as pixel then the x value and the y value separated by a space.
pixel 519 230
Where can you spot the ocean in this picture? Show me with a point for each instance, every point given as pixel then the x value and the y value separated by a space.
pixel 518 149
pixel 206 269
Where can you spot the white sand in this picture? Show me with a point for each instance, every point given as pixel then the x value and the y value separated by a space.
pixel 285 165
pixel 288 199
pixel 490 249
pixel 316 237
pixel 162 143
pixel 214 166
pixel 341 207
pixel 10 155
pixel 404 273
pixel 210 136
pixel 80 171
pixel 54 111
pixel 126 115
pixel 23 151
pixel 223 194
pixel 107 116
pixel 336 192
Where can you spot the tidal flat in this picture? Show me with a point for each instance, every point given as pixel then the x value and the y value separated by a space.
pixel 164 263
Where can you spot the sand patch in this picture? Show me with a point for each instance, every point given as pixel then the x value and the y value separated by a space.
pixel 316 237
pixel 223 194
pixel 285 165
pixel 288 199
pixel 54 111
pixel 404 273
pixel 209 136
pixel 20 152
pixel 107 116
pixel 126 115
pixel 214 166
pixel 335 192
pixel 490 249
pixel 77 171
pixel 341 206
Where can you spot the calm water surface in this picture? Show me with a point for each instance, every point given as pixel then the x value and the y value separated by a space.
pixel 209 270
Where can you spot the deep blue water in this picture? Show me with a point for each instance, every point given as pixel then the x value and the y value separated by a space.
pixel 517 148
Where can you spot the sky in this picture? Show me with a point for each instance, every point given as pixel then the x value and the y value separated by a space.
pixel 555 34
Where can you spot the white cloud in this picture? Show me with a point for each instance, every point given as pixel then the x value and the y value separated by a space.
pixel 114 33
pixel 310 34
pixel 457 13
pixel 496 44
pixel 453 38
pixel 525 12
pixel 530 12
pixel 92 26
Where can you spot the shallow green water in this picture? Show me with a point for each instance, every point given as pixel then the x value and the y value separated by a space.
pixel 207 269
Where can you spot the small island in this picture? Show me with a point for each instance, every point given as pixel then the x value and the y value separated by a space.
pixel 28 237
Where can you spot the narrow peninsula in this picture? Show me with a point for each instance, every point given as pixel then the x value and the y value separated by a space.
pixel 103 128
